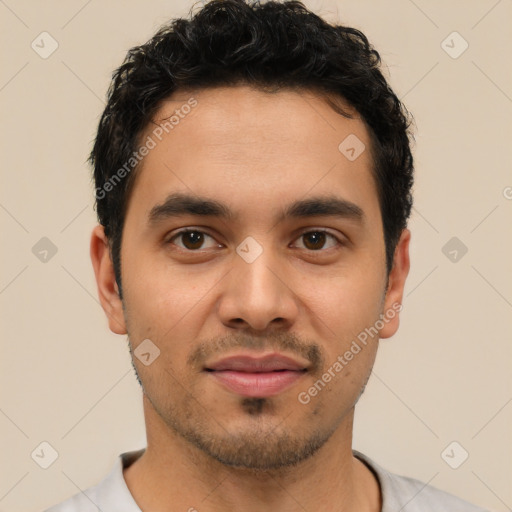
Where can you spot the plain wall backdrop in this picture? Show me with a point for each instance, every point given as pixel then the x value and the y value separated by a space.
pixel 444 377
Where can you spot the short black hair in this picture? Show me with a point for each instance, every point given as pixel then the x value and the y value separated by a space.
pixel 270 46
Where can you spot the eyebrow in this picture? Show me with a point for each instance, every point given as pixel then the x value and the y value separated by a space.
pixel 179 204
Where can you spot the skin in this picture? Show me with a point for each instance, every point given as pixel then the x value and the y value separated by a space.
pixel 207 447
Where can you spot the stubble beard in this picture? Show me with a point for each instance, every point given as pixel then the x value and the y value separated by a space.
pixel 262 446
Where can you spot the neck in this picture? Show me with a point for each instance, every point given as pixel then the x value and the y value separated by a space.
pixel 173 475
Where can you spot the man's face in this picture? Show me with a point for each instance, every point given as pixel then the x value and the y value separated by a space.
pixel 242 292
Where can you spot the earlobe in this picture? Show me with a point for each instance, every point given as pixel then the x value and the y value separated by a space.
pixel 396 284
pixel 108 291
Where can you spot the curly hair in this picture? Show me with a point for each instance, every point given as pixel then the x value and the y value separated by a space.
pixel 271 46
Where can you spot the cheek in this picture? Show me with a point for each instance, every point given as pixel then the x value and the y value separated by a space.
pixel 346 301
pixel 168 306
pixel 160 292
pixel 343 313
pixel 336 391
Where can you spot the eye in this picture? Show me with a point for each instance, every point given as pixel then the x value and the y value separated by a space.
pixel 192 239
pixel 316 240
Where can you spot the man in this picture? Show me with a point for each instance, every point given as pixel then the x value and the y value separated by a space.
pixel 253 181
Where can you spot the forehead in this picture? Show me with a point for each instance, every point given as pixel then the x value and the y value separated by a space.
pixel 250 148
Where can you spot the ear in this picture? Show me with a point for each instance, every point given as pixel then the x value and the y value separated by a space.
pixel 396 283
pixel 108 291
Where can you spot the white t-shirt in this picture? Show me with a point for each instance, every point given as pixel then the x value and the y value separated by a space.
pixel 399 493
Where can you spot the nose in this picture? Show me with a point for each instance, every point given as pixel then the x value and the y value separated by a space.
pixel 257 295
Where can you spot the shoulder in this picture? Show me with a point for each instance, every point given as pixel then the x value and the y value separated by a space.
pixel 411 495
pixel 80 502
pixel 110 495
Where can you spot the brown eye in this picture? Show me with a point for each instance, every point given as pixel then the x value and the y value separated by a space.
pixel 191 239
pixel 316 240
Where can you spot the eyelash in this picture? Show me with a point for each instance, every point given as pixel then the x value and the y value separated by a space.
pixel 192 230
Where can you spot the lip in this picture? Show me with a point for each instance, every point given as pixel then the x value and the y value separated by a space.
pixel 253 376
pixel 257 364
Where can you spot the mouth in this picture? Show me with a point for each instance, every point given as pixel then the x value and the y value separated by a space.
pixel 257 377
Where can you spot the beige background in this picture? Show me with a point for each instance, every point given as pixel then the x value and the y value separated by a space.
pixel 445 376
